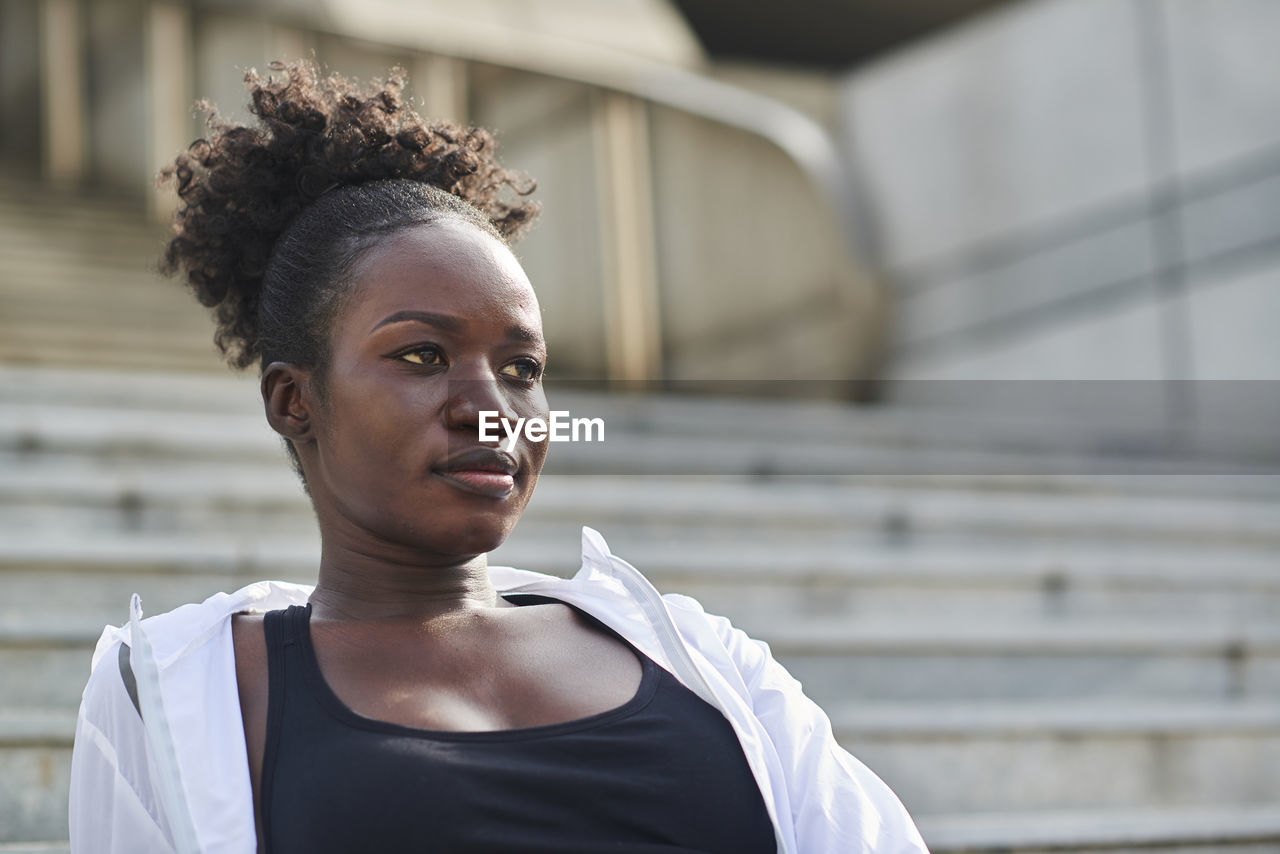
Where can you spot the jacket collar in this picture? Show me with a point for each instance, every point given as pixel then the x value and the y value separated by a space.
pixel 174 632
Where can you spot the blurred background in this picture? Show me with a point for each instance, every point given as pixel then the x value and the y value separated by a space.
pixel 935 342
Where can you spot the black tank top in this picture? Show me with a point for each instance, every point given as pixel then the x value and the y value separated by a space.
pixel 661 774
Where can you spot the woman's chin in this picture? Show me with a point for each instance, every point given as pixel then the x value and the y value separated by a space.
pixel 474 537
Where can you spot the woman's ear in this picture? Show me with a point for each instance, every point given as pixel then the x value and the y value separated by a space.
pixel 286 395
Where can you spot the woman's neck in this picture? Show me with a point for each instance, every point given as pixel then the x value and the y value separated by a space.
pixel 354 584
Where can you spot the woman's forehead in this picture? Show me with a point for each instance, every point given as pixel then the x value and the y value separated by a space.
pixel 446 267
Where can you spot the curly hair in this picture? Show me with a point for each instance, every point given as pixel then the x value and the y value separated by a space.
pixel 275 216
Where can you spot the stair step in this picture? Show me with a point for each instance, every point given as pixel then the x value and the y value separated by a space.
pixel 106 309
pixel 226 393
pixel 49 727
pixel 32 244
pixel 1245 828
pixel 99 598
pixel 35 774
pixel 953 757
pixel 141 347
pixel 23 198
pixel 980 660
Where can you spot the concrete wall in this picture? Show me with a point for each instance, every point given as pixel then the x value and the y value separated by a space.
pixel 1080 189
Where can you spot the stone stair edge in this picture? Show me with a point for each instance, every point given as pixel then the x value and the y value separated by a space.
pixel 20 350
pixel 37 726
pixel 24 201
pixel 1123 635
pixel 111 385
pixel 1143 828
pixel 108 311
pixel 117 237
pixel 1095 716
pixel 49 265
pixel 155 337
pixel 83 228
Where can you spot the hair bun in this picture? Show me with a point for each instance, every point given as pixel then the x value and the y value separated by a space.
pixel 242 186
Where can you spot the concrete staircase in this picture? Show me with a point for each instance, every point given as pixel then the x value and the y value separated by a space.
pixel 1032 661
pixel 78 285
pixel 1040 645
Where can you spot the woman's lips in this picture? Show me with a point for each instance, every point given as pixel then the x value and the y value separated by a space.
pixel 482 471
pixel 494 484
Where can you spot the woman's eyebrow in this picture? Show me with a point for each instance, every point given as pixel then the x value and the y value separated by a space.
pixel 447 322
pixel 523 333
pixel 450 323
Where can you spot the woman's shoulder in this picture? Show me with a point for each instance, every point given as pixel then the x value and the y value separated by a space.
pixel 170 633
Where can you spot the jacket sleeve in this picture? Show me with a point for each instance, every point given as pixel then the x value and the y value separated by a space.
pixel 112 806
pixel 838 804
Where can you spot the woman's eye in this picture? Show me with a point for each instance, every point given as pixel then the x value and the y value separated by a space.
pixel 523 369
pixel 428 356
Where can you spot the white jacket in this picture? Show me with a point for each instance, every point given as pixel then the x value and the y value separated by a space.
pixel 180 783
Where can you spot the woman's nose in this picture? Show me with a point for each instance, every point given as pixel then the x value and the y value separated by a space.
pixel 468 398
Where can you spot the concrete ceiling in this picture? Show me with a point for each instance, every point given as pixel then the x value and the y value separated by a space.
pixel 830 34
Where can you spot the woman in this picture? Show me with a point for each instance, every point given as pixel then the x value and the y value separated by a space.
pixel 417 698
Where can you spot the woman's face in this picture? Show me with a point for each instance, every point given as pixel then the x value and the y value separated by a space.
pixel 441 324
